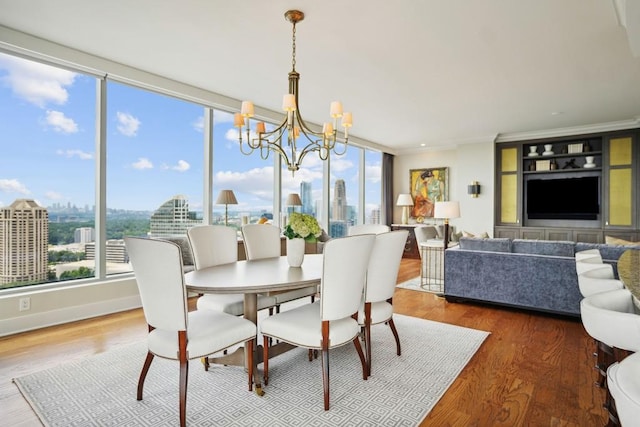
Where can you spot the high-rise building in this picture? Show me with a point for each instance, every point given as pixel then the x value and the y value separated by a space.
pixel 375 216
pixel 24 237
pixel 306 197
pixel 84 235
pixel 172 218
pixel 339 212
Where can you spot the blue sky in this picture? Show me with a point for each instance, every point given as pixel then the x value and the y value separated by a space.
pixel 155 146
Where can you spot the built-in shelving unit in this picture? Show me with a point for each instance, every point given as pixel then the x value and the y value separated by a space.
pixel 615 158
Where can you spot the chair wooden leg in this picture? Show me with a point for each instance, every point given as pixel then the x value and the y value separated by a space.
pixel 265 359
pixel 143 374
pixel 367 335
pixel 356 342
pixel 325 362
pixel 395 334
pixel 250 362
pixel 184 375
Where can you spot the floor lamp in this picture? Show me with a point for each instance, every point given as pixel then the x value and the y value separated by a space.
pixel 226 198
pixel 446 211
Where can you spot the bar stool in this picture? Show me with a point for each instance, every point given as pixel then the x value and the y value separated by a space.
pixel 624 384
pixel 611 317
pixel 595 276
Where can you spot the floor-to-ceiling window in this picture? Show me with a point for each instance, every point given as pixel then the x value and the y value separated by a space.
pixel 47 170
pixel 344 190
pixel 372 186
pixel 155 161
pixel 248 176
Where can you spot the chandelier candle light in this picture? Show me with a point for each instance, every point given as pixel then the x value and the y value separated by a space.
pixel 297 131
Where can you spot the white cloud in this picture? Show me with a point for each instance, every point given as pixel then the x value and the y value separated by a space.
pixel 36 83
pixel 182 166
pixel 60 123
pixel 127 124
pixel 13 186
pixel 75 153
pixel 53 195
pixel 257 181
pixel 373 173
pixel 340 164
pixel 143 163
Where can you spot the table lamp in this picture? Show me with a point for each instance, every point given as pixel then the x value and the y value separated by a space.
pixel 226 198
pixel 293 199
pixel 446 211
pixel 405 200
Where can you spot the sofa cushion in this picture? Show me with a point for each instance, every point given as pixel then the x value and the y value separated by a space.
pixel 610 240
pixel 543 247
pixel 608 252
pixel 491 245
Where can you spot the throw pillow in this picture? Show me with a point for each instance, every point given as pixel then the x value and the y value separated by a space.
pixel 610 240
pixel 467 234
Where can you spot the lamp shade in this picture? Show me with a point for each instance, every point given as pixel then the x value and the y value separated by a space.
pixel 226 197
pixel 446 210
pixel 404 200
pixel 293 199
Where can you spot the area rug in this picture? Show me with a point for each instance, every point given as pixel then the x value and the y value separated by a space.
pixel 101 390
pixel 414 285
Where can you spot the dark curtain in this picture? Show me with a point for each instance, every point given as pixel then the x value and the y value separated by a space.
pixel 387 189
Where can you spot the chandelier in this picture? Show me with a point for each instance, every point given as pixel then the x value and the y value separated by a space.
pixel 293 128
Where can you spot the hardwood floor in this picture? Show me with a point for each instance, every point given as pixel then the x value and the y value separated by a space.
pixel 533 370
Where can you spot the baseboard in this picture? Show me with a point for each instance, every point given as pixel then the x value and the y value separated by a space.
pixel 68 314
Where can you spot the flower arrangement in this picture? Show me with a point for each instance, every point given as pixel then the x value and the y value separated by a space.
pixel 302 226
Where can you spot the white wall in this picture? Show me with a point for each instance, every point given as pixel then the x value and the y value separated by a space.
pixel 466 163
pixel 62 305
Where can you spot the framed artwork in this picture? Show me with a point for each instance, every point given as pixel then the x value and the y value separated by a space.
pixel 428 186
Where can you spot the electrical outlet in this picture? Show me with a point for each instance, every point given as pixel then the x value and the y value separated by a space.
pixel 25 304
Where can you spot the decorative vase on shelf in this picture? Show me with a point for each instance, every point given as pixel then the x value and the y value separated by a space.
pixel 295 251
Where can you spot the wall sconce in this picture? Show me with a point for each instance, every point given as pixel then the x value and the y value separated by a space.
pixel 474 189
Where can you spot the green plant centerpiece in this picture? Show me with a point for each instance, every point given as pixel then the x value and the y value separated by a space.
pixel 303 226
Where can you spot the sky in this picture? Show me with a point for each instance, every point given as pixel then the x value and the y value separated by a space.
pixel 155 147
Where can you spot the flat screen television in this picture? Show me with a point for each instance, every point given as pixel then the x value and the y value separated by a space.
pixel 563 198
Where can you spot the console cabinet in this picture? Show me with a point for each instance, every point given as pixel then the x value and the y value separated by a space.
pixel 613 157
pixel 411 247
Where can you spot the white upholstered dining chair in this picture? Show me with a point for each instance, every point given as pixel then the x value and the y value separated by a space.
pixel 367 229
pixel 331 322
pixel 174 332
pixel 213 245
pixel 382 276
pixel 263 241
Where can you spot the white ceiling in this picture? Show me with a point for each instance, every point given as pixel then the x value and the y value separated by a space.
pixel 412 71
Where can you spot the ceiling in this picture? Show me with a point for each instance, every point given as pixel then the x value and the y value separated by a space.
pixel 438 73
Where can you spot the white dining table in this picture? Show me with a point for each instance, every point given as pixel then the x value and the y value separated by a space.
pixel 263 276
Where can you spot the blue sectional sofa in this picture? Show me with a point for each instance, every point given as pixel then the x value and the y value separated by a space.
pixel 535 275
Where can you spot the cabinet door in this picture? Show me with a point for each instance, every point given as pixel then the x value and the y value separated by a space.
pixel 619 177
pixel 508 181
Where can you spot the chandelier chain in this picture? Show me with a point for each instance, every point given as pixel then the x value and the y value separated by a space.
pixel 293 49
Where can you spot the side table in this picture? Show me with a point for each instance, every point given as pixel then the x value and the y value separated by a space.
pixel 432 268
